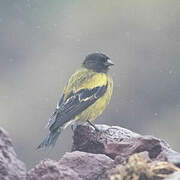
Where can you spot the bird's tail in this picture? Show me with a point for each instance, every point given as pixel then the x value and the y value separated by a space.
pixel 50 140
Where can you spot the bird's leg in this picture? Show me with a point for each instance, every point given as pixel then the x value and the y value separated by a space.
pixel 73 127
pixel 93 125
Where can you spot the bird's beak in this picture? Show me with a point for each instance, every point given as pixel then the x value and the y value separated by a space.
pixel 109 63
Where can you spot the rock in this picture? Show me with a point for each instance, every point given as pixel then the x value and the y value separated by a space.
pixel 112 153
pixel 72 166
pixel 51 170
pixel 119 143
pixel 10 167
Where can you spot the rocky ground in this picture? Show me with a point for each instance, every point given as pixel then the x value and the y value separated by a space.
pixel 112 153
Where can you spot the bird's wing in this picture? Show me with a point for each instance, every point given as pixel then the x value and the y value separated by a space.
pixel 82 90
pixel 55 113
pixel 75 104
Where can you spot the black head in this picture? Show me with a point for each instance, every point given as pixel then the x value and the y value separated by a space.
pixel 97 62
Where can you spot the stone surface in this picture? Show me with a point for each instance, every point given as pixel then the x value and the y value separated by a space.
pixel 72 166
pixel 51 170
pixel 119 143
pixel 112 153
pixel 89 166
pixel 10 167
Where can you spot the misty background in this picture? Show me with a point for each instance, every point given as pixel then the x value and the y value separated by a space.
pixel 43 42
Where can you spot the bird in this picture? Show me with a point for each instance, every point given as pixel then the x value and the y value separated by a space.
pixel 85 97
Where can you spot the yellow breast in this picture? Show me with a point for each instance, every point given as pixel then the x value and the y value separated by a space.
pixel 86 79
pixel 96 109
